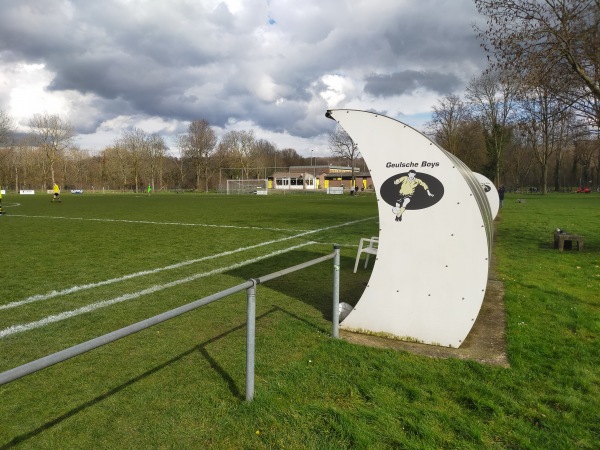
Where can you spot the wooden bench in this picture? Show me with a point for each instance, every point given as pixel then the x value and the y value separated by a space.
pixel 565 240
pixel 370 249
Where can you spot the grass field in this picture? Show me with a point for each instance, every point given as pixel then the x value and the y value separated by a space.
pixel 94 263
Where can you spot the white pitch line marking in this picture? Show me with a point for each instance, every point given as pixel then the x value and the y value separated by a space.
pixel 73 289
pixel 158 287
pixel 148 222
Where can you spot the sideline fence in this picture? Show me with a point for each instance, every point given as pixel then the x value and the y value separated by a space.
pixel 249 286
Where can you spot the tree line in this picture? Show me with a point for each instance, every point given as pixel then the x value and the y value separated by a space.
pixel 138 159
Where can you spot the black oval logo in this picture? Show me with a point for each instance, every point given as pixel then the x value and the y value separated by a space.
pixel 422 189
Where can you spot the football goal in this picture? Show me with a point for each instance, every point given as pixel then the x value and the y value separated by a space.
pixel 258 186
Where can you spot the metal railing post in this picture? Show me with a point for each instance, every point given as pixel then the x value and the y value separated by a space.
pixel 250 339
pixel 336 292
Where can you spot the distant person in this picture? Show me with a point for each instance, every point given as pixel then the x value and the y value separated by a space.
pixel 501 195
pixel 408 185
pixel 149 189
pixel 1 210
pixel 56 193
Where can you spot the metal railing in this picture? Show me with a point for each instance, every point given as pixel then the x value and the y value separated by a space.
pixel 249 286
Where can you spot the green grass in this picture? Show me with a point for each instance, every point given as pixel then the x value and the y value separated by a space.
pixel 181 384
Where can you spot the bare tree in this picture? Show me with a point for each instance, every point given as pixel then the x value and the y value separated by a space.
pixel 265 155
pixel 557 40
pixel 197 146
pixel 6 127
pixel 53 135
pixel 157 149
pixel 453 127
pixel 133 147
pixel 74 162
pixel 241 148
pixel 6 152
pixel 342 145
pixel 596 161
pixel 172 172
pixel 587 154
pixel 116 165
pixel 180 162
pixel 520 161
pixel 18 169
pixel 447 119
pixel 34 169
pixel 492 99
pixel 545 124
pixel 288 157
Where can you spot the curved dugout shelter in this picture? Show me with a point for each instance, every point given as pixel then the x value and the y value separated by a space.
pixel 431 270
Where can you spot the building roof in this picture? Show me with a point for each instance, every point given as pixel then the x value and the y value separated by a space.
pixel 292 175
pixel 347 175
pixel 325 168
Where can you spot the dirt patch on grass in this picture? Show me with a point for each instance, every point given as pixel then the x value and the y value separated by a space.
pixel 486 343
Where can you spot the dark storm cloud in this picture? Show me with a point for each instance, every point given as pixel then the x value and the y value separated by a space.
pixel 256 61
pixel 408 81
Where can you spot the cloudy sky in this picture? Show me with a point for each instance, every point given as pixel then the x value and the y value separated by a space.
pixel 272 66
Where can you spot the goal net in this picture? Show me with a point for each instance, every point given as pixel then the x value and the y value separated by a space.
pixel 257 186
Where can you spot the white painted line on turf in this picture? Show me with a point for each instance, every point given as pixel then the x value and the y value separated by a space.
pixel 73 289
pixel 151 290
pixel 148 222
pixel 11 205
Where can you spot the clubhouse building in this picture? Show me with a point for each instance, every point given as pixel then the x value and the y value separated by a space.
pixel 319 177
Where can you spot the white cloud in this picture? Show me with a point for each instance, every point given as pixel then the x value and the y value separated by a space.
pixel 335 90
pixel 24 85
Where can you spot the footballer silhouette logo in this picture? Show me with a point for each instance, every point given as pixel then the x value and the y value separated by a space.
pixel 410 191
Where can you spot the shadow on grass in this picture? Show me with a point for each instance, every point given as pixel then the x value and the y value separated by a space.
pixel 313 285
pixel 231 384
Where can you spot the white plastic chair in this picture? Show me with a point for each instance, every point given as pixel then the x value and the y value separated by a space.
pixel 370 249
